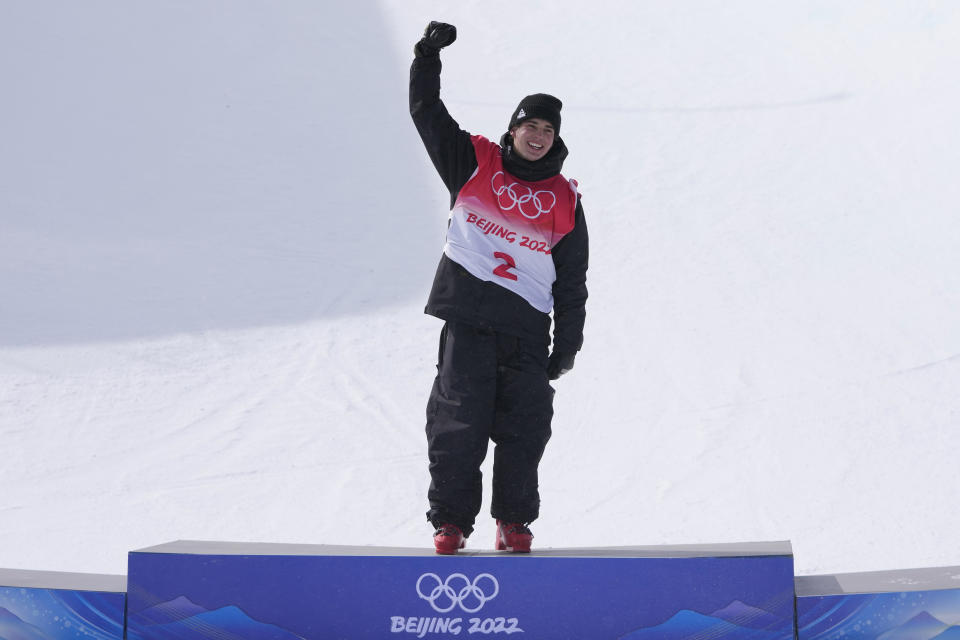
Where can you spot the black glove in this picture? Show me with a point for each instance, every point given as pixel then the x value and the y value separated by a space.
pixel 559 364
pixel 436 36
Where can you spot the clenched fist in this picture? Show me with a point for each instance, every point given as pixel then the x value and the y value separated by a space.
pixel 436 36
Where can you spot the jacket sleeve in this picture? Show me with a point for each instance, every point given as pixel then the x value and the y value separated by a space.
pixel 449 147
pixel 570 258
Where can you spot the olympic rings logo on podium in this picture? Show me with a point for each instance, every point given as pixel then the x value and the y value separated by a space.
pixel 531 204
pixel 457 590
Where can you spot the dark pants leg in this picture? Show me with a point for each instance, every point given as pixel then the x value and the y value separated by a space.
pixel 460 416
pixel 488 386
pixel 521 429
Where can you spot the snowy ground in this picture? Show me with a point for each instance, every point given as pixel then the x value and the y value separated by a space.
pixel 218 228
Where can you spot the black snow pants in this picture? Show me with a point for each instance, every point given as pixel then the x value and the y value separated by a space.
pixel 489 386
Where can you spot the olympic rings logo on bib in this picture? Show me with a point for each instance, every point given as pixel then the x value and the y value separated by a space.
pixel 457 590
pixel 531 204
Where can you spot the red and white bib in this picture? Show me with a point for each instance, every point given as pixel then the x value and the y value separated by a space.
pixel 503 229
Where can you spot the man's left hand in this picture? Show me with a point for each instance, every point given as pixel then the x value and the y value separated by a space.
pixel 559 364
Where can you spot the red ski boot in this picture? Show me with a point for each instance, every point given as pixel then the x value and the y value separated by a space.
pixel 448 538
pixel 513 536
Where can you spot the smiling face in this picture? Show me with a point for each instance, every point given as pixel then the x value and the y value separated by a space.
pixel 533 138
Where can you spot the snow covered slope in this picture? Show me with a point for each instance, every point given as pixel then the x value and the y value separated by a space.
pixel 218 228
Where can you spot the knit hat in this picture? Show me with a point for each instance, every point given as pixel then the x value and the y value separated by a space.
pixel 538 105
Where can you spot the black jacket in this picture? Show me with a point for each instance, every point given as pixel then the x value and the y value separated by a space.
pixel 458 295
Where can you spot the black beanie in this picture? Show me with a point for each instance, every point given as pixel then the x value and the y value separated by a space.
pixel 539 105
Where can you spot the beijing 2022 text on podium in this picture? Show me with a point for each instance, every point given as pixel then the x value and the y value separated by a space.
pixel 287 591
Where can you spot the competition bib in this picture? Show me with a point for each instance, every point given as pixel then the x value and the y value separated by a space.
pixel 503 229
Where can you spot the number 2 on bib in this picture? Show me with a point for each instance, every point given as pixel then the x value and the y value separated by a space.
pixel 508 263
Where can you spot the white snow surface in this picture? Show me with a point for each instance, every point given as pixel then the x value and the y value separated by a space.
pixel 218 228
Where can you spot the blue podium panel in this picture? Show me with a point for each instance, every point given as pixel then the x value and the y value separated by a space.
pixel 912 604
pixel 42 605
pixel 279 592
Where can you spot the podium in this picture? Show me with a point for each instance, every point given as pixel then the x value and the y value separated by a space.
pixel 193 589
pixel 44 605
pixel 910 604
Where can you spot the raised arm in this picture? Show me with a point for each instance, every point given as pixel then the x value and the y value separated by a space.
pixel 448 145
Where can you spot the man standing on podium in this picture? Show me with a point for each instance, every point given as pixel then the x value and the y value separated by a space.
pixel 516 250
